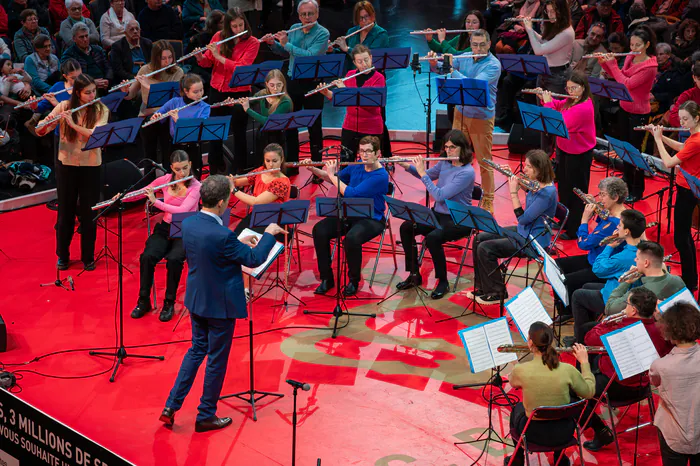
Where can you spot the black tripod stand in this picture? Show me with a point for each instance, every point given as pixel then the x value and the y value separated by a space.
pixel 489 434
pixel 251 395
pixel 121 353
pixel 61 282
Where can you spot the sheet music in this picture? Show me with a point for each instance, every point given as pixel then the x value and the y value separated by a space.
pixel 553 274
pixel 497 334
pixel 682 296
pixel 526 308
pixel 276 250
pixel 631 350
pixel 482 341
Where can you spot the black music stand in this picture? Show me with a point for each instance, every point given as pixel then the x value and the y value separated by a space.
pixel 391 58
pixel 113 100
pixel 253 74
pixel 609 89
pixel 198 130
pixel 318 66
pixel 543 119
pixel 292 212
pixel 417 215
pixel 343 208
pixel 160 93
pixel 524 66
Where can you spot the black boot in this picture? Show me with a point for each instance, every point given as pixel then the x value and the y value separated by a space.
pixel 324 287
pixel 411 281
pixel 351 288
pixel 168 310
pixel 442 287
pixel 601 439
pixel 142 307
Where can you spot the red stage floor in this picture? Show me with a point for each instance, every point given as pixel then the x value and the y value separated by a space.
pixel 381 392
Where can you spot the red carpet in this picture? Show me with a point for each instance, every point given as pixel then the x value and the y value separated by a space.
pixel 381 392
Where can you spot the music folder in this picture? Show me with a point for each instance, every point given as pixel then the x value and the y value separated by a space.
pixel 525 309
pixel 630 349
pixel 258 271
pixel 482 341
pixel 682 296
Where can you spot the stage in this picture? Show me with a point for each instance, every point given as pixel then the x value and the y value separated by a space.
pixel 381 393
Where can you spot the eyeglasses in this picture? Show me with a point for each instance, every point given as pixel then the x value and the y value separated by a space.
pixel 308 15
pixel 450 146
pixel 76 8
pixel 573 88
pixel 478 45
pixel 366 151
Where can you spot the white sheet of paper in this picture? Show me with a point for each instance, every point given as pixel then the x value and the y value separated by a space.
pixel 256 272
pixel 526 308
pixel 632 350
pixel 554 275
pixel 682 296
pixel 478 349
pixel 497 334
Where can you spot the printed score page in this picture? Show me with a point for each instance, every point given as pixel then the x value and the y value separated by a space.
pixel 631 350
pixel 498 333
pixel 553 274
pixel 276 250
pixel 526 308
pixel 682 296
pixel 482 341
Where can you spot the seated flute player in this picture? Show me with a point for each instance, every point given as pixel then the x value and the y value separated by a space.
pixel 639 306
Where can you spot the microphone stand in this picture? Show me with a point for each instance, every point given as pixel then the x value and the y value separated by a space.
pixel 61 282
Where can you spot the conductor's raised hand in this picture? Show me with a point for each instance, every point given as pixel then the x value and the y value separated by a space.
pixel 275 229
pixel 580 353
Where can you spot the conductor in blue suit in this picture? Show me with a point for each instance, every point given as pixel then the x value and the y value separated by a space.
pixel 215 298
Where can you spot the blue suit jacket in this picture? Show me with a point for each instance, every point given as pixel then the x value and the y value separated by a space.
pixel 214 257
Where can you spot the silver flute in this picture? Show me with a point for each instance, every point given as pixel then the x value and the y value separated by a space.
pixel 327 86
pixel 299 28
pixel 250 99
pixel 50 121
pixel 140 192
pixel 602 54
pixel 167 115
pixel 533 20
pixel 612 318
pixel 464 55
pixel 540 92
pixel 663 128
pixel 39 99
pixel 447 31
pixel 356 32
pixel 558 349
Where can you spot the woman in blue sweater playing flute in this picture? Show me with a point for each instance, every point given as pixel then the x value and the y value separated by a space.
pixel 455 181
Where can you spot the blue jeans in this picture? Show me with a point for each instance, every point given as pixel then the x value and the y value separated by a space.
pixel 212 338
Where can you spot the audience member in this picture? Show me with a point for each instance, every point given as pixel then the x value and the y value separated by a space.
pixel 691 94
pixel 92 58
pixel 602 13
pixel 669 8
pixel 160 21
pixel 130 53
pixel 4 30
pixel 42 65
pixel 687 39
pixel 593 43
pixel 195 13
pixel 24 38
pixel 75 16
pixel 114 22
pixel 5 50
pixel 59 12
pixel 14 9
pixel 671 77
pixel 14 84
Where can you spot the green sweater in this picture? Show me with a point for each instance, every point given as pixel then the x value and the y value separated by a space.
pixel 447 46
pixel 544 387
pixel 285 106
pixel 664 287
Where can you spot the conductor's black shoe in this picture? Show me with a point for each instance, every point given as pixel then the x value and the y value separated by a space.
pixel 351 289
pixel 601 439
pixel 213 423
pixel 62 264
pixel 411 281
pixel 561 319
pixel 442 287
pixel 89 266
pixel 142 307
pixel 167 417
pixel 324 287
pixel 167 312
pixel 317 180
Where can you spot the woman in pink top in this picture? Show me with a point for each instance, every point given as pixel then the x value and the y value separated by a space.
pixel 574 155
pixel 360 121
pixel 638 74
pixel 177 198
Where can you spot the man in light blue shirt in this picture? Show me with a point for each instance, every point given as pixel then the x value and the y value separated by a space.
pixel 477 122
pixel 306 42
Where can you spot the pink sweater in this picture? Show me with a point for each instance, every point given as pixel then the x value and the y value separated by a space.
pixel 639 79
pixel 365 120
pixel 173 204
pixel 580 122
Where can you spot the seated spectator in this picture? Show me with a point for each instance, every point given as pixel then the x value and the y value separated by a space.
pixel 14 9
pixel 24 38
pixel 42 65
pixel 691 94
pixel 510 36
pixel 671 77
pixel 160 21
pixel 59 12
pixel 194 14
pixel 130 53
pixel 638 16
pixel 669 8
pixel 593 43
pixel 686 40
pixel 4 31
pixel 576 12
pixel 602 13
pixel 113 23
pixel 75 16
pixel 92 58
pixel 14 84
pixel 5 50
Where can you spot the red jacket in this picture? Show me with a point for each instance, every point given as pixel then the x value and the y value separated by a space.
pixel 244 53
pixel 612 24
pixel 58 12
pixel 690 94
pixel 592 338
pixel 365 120
pixel 675 8
pixel 3 22
pixel 639 79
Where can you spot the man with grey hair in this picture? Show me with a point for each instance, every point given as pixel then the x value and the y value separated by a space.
pixel 215 298
pixel 75 16
pixel 593 43
pixel 130 52
pixel 671 77
pixel 93 60
pixel 311 40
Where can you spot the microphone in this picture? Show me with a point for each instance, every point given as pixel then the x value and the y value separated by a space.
pixel 415 64
pixel 70 282
pixel 329 148
pixel 304 386
pixel 446 65
pixel 158 166
pixel 547 220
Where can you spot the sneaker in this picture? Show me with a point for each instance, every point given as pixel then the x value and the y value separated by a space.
pixel 489 299
pixel 600 440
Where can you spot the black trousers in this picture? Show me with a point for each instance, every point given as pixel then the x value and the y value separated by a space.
pixel 577 272
pixel 671 458
pixel 573 171
pixel 434 239
pixel 357 232
pixel 488 248
pixel 616 392
pixel 683 236
pixel 296 89
pixel 239 126
pixel 73 183
pixel 587 305
pixel 351 140
pixel 157 135
pixel 630 174
pixel 545 433
pixel 160 246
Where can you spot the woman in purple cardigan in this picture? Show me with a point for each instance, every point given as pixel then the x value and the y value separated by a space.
pixel 360 121
pixel 575 154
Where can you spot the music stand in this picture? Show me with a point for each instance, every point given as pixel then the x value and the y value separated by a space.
pixel 198 130
pixel 524 65
pixel 391 58
pixel 293 120
pixel 417 215
pixel 463 91
pixel 318 66
pixel 292 212
pixel 359 97
pixel 609 89
pixel 343 208
pixel 113 100
pixel 253 74
pixel 160 93
pixel 544 119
